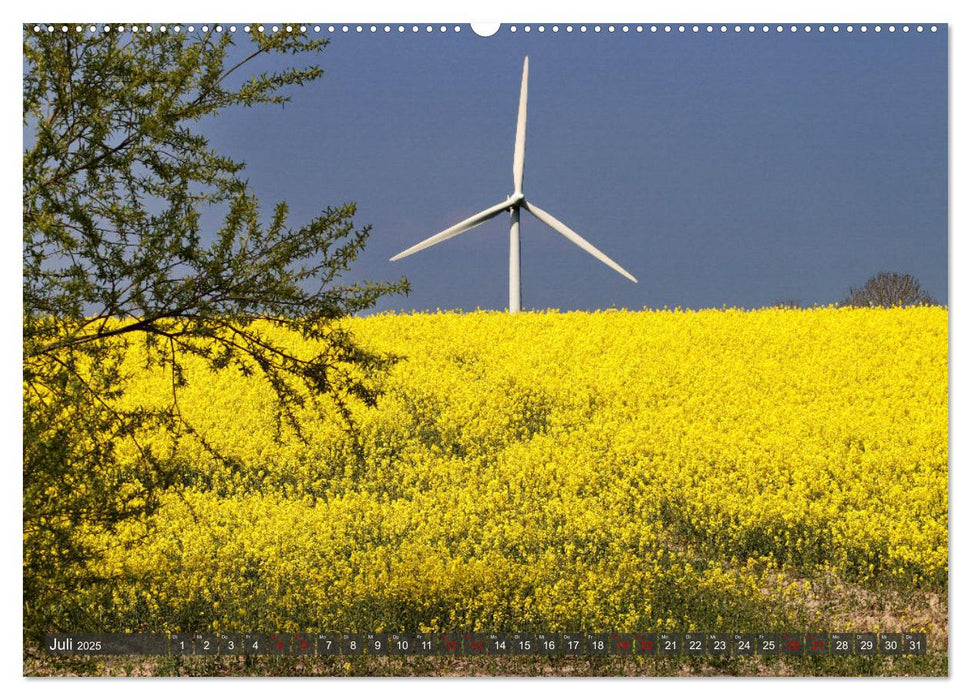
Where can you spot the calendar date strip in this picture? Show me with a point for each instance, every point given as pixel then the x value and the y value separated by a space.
pixel 460 644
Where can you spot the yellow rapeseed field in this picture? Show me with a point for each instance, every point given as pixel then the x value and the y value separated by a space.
pixel 613 471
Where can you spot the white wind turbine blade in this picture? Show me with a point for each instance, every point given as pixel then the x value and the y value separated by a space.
pixel 460 227
pixel 519 155
pixel 575 238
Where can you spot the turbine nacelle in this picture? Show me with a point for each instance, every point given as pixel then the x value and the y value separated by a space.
pixel 513 203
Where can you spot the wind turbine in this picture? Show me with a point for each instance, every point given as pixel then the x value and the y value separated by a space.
pixel 513 203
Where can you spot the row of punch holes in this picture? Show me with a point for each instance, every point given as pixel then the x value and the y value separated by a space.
pixel 513 28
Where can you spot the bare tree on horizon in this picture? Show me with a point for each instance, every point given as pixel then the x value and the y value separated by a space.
pixel 887 289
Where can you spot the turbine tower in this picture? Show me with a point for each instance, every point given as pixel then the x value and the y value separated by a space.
pixel 513 203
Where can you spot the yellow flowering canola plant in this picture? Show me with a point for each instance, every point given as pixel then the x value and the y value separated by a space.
pixel 613 471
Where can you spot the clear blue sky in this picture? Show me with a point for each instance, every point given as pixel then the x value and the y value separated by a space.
pixel 724 169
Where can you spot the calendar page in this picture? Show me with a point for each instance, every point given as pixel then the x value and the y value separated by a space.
pixel 536 349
